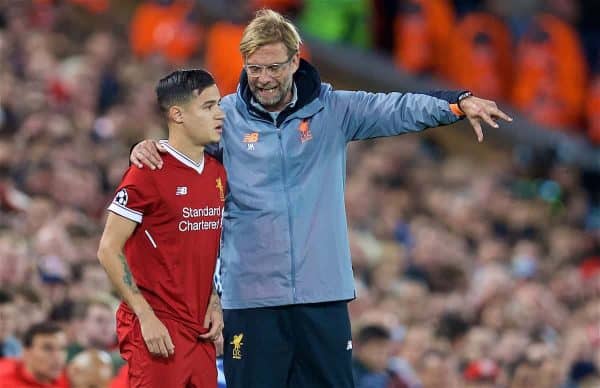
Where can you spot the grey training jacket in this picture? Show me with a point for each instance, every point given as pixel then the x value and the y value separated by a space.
pixel 285 238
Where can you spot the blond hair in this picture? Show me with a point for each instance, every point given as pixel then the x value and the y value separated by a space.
pixel 269 27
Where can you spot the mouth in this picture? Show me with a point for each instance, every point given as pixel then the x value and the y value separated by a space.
pixel 219 129
pixel 267 91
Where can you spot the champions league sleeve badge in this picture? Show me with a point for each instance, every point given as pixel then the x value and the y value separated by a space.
pixel 121 197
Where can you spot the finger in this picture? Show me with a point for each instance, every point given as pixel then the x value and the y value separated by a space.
pixel 135 161
pixel 151 347
pixel 477 128
pixel 170 345
pixel 152 155
pixel 498 113
pixel 151 149
pixel 143 157
pixel 486 117
pixel 207 319
pixel 162 348
pixel 209 335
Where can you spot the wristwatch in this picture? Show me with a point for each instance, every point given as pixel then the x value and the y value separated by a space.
pixel 463 95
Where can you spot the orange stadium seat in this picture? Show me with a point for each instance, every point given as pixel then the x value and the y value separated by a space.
pixel 422 29
pixel 479 59
pixel 163 29
pixel 593 110
pixel 550 73
pixel 223 57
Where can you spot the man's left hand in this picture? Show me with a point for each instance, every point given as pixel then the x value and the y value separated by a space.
pixel 478 109
pixel 213 320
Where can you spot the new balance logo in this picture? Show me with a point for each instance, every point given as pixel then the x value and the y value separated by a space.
pixel 181 190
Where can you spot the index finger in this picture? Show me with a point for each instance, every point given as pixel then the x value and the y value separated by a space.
pixel 495 112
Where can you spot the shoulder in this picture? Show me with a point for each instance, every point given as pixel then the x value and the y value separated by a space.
pixel 8 366
pixel 229 100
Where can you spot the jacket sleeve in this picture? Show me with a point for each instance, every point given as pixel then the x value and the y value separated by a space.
pixel 364 115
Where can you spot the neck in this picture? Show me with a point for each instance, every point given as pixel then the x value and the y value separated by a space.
pixel 186 147
pixel 282 104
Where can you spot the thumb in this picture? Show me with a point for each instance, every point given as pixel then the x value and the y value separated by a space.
pixel 207 319
pixel 160 147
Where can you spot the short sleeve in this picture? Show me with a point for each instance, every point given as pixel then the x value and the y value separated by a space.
pixel 135 195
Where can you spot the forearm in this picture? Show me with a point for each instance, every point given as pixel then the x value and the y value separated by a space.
pixel 215 300
pixel 115 264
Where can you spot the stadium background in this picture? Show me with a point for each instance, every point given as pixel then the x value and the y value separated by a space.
pixel 481 263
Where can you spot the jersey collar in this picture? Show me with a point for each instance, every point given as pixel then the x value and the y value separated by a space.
pixel 199 167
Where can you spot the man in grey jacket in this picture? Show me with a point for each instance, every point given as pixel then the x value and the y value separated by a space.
pixel 286 271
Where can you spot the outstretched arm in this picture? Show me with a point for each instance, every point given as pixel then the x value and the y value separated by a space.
pixel 110 253
pixel 366 115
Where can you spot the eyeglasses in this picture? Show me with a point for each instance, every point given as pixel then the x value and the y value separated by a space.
pixel 273 70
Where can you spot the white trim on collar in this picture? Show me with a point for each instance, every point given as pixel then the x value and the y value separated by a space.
pixel 199 167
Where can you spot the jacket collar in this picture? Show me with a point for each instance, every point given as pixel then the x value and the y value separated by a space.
pixel 308 84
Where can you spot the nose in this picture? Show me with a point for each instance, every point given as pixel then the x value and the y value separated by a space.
pixel 220 114
pixel 263 78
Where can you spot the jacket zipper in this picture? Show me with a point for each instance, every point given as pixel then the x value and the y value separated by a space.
pixel 287 197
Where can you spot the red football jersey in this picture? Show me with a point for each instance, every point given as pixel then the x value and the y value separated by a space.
pixel 172 252
pixel 13 374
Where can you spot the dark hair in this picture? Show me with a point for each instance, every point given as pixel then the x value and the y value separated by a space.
pixel 62 312
pixel 452 326
pixel 6 297
pixel 180 86
pixel 372 333
pixel 42 328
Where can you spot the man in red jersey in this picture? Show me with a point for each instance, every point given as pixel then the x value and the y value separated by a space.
pixel 160 244
pixel 44 360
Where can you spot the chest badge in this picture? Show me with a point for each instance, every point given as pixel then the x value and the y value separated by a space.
pixel 181 190
pixel 251 139
pixel 219 186
pixel 304 129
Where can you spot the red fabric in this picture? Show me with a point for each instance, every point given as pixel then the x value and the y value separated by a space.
pixel 590 267
pixel 173 265
pixel 13 374
pixel 486 370
pixel 193 361
pixel 121 380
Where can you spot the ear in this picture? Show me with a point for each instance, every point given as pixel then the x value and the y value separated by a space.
pixel 176 114
pixel 295 62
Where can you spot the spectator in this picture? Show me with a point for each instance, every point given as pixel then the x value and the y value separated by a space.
pixel 44 359
pixel 95 329
pixel 90 368
pixel 10 346
pixel 371 358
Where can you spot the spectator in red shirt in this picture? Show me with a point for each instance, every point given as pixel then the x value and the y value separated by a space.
pixel 43 363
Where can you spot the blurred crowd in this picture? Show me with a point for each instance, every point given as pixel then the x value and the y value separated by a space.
pixel 541 56
pixel 470 272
